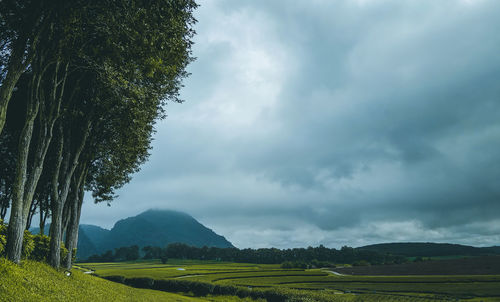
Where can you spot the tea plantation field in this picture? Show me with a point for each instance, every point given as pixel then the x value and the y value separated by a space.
pixel 207 277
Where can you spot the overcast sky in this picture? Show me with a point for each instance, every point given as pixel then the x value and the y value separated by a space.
pixel 332 122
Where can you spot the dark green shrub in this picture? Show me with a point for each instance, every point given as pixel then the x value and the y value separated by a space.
pixel 243 292
pixel 227 290
pixel 42 248
pixel 287 265
pixel 3 237
pixel 139 282
pixel 164 285
pixel 119 279
pixel 361 263
pixel 272 295
pixel 28 245
pixel 257 294
pixel 173 285
pixel 201 288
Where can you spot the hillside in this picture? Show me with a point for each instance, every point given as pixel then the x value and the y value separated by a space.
pixel 153 227
pixel 159 228
pixel 428 249
pixel 35 281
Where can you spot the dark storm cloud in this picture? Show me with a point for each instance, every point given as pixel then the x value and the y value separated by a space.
pixel 333 122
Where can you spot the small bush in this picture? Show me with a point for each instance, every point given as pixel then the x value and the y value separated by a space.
pixel 42 248
pixel 227 290
pixel 139 282
pixel 243 292
pixel 361 263
pixel 3 237
pixel 119 279
pixel 202 288
pixel 28 245
pixel 294 264
pixel 64 252
pixel 273 295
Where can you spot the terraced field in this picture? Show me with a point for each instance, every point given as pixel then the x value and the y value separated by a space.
pixel 401 288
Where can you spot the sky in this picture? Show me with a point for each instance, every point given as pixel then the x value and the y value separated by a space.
pixel 315 122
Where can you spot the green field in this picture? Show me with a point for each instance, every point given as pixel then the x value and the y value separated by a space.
pixel 311 282
pixel 34 281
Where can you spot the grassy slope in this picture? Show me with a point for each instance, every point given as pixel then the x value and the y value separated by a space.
pixel 34 281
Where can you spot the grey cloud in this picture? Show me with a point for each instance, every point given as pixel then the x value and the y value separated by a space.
pixel 352 121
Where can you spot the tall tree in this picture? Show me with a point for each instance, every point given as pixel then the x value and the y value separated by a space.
pixel 97 77
pixel 21 25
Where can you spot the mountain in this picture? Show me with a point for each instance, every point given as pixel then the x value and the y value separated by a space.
pixel 90 239
pixel 153 227
pixel 95 234
pixel 159 228
pixel 428 249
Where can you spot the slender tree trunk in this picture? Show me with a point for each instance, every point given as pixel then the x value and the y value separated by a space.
pixel 3 212
pixel 72 231
pixel 26 181
pixel 43 218
pixel 17 222
pixel 59 195
pixel 55 225
pixel 31 213
pixel 66 215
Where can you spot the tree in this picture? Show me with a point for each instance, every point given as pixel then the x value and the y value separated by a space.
pixel 22 24
pixel 96 76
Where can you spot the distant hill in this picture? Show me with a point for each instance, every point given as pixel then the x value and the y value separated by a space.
pixel 159 228
pixel 428 249
pixel 484 265
pixel 153 227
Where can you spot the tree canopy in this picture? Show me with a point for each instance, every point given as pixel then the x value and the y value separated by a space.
pixel 95 77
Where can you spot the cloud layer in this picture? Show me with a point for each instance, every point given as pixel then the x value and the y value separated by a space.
pixel 333 122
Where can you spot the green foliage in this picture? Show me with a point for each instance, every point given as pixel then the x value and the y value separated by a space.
pixel 3 237
pixel 102 72
pixel 294 264
pixel 41 251
pixel 64 252
pixel 41 248
pixel 361 263
pixel 225 278
pixel 28 245
pixel 35 281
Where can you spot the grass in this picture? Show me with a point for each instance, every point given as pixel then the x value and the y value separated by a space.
pixel 35 281
pixel 311 282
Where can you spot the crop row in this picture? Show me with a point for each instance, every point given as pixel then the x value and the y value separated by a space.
pixel 268 294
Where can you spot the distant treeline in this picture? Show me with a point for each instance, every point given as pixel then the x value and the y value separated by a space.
pixel 320 254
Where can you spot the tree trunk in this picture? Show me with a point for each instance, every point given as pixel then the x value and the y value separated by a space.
pixel 55 225
pixel 41 224
pixel 3 212
pixel 60 193
pixel 26 181
pixel 17 222
pixel 72 231
pixel 31 213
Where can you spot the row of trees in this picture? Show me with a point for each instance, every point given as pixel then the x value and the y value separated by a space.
pixel 129 253
pixel 310 255
pixel 82 84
